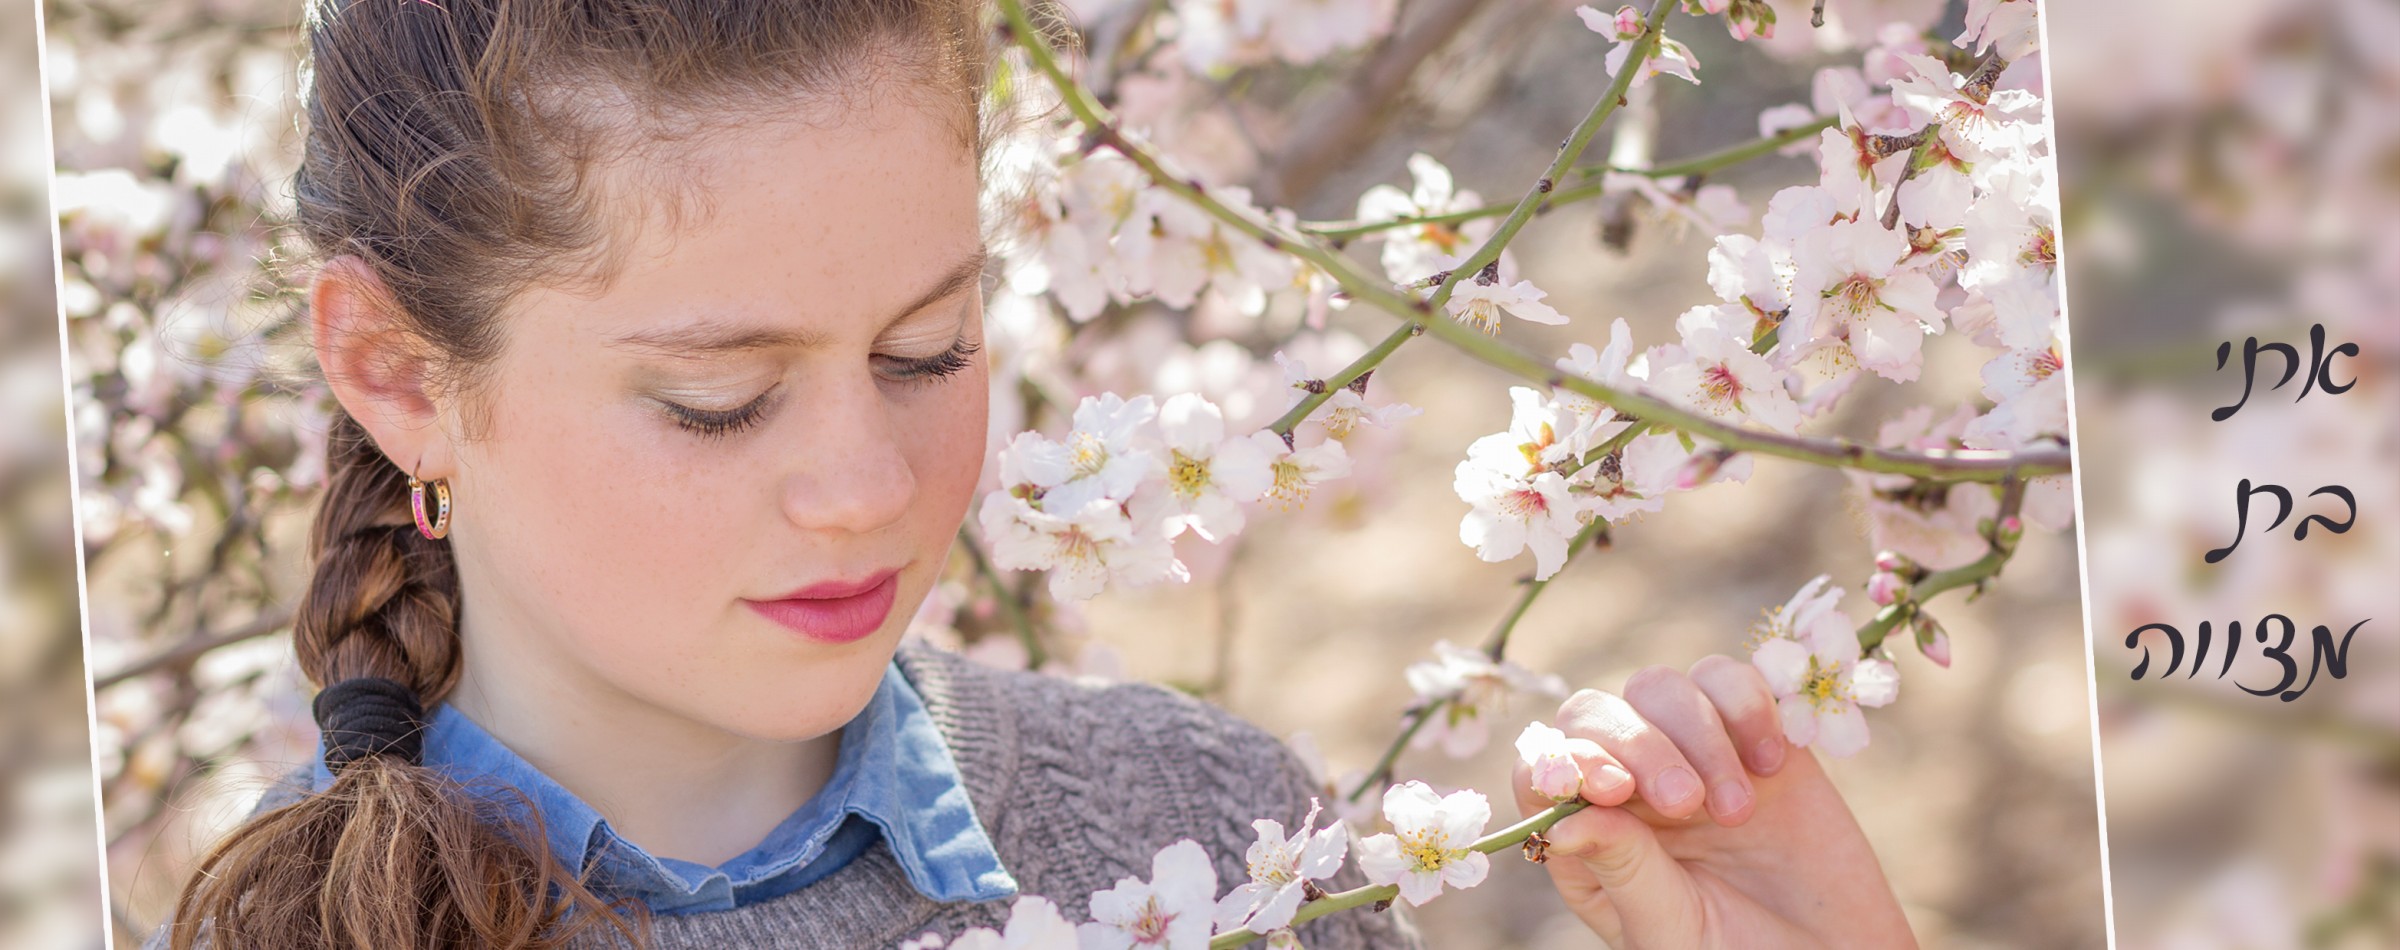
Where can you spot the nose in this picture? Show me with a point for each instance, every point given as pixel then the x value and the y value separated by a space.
pixel 850 469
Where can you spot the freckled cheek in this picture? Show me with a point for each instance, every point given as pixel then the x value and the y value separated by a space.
pixel 947 457
pixel 602 515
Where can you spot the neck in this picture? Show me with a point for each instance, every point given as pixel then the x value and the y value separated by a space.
pixel 675 786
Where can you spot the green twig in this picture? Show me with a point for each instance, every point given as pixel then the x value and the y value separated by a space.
pixel 1510 836
pixel 1960 465
pixel 1588 184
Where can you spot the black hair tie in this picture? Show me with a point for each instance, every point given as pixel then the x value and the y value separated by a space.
pixel 370 715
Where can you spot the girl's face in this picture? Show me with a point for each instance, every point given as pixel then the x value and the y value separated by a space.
pixel 781 392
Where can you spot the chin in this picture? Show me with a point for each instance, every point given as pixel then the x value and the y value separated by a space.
pixel 807 704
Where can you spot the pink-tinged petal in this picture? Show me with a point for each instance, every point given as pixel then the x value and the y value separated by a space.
pixel 1841 729
pixel 1832 638
pixel 1889 345
pixel 1784 664
pixel 1875 682
pixel 1467 871
pixel 1417 887
pixel 1799 719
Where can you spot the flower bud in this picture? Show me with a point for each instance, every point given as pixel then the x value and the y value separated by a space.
pixel 1890 561
pixel 1701 467
pixel 1885 588
pixel 1556 778
pixel 1629 23
pixel 1932 640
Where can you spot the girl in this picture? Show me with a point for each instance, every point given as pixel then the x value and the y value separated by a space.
pixel 656 329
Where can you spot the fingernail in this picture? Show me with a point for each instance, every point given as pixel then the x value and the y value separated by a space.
pixel 1609 778
pixel 1676 786
pixel 1769 756
pixel 1728 798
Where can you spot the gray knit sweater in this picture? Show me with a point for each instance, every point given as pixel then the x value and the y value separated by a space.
pixel 1078 783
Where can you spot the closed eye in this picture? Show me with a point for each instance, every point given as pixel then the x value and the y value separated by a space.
pixel 718 423
pixel 934 369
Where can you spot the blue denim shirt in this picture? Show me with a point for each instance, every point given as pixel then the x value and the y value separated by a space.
pixel 894 778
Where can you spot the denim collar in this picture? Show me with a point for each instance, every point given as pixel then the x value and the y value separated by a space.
pixel 894 779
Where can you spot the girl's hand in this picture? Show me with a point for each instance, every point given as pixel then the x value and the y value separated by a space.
pixel 1716 833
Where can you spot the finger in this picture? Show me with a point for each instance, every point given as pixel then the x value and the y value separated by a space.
pixel 1668 783
pixel 1673 703
pixel 1604 780
pixel 1653 897
pixel 1743 701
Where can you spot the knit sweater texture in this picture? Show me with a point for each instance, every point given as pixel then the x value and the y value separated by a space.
pixel 1079 782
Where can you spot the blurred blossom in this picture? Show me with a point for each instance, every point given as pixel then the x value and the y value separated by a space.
pixel 49 862
pixel 2227 171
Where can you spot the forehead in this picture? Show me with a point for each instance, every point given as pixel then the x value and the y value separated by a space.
pixel 830 213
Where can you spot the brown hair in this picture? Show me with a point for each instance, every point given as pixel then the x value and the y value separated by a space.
pixel 450 146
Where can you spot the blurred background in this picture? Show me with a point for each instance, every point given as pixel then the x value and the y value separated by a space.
pixel 199 440
pixel 2233 170
pixel 49 865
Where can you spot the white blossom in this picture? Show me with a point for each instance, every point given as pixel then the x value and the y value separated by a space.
pixel 1430 843
pixel 1280 867
pixel 1808 651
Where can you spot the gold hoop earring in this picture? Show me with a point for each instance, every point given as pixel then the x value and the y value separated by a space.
pixel 438 527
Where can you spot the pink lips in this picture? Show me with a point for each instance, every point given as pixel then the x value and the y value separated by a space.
pixel 835 611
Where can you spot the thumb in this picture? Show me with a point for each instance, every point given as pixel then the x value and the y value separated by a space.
pixel 1655 901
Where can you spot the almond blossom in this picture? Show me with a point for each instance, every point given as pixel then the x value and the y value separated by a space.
pixel 1430 844
pixel 1518 498
pixel 1549 756
pixel 1099 459
pixel 1845 286
pixel 1295 473
pixel 1479 304
pixel 1420 250
pixel 1808 651
pixel 1207 475
pixel 1174 909
pixel 1342 411
pixel 1034 923
pixel 1933 524
pixel 1083 550
pixel 1469 684
pixel 1716 372
pixel 1626 27
pixel 1280 869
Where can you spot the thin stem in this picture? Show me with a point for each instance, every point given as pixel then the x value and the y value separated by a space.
pixel 1960 465
pixel 1511 836
pixel 1495 646
pixel 1035 656
pixel 1568 152
pixel 1334 383
pixel 1588 184
pixel 2002 547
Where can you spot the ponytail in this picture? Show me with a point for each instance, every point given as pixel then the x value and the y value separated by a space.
pixel 394 854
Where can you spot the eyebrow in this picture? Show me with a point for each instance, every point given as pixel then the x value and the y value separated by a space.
pixel 714 336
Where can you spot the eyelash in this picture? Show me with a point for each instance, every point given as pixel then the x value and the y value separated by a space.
pixel 956 359
pixel 716 424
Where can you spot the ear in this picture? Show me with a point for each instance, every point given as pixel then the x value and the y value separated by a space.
pixel 377 366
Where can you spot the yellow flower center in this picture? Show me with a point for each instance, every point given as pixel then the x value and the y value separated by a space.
pixel 1188 476
pixel 1424 849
